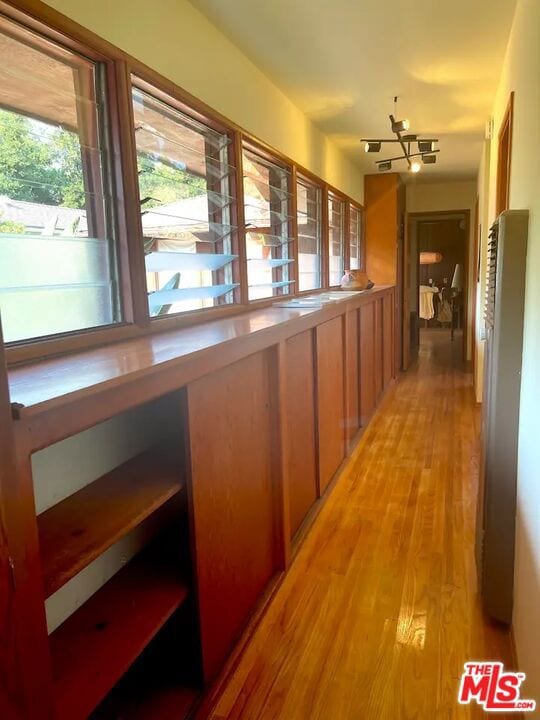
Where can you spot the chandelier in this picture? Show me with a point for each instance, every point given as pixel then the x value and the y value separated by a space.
pixel 407 141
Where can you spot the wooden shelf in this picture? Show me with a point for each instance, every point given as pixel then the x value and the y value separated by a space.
pixel 155 701
pixel 77 530
pixel 96 645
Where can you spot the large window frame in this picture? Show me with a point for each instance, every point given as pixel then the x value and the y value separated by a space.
pixel 118 70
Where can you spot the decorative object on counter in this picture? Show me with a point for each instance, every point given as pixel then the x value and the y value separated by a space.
pixel 356 280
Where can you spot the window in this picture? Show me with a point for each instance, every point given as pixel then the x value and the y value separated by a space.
pixel 57 252
pixel 309 235
pixel 355 239
pixel 336 231
pixel 186 204
pixel 267 219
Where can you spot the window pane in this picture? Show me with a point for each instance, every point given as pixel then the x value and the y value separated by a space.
pixel 336 220
pixel 186 209
pixel 355 239
pixel 267 218
pixel 57 267
pixel 309 235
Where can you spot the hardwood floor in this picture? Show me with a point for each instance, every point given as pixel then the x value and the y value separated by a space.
pixel 379 610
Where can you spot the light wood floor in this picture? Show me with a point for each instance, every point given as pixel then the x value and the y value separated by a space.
pixel 379 610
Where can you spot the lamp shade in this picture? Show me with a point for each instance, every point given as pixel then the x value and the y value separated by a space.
pixel 457 279
pixel 430 258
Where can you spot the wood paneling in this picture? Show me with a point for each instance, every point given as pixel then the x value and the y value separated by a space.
pixel 353 375
pixel 299 409
pixel 388 339
pixel 378 343
pixel 25 671
pixel 366 316
pixel 233 498
pixel 380 609
pixel 381 197
pixel 330 399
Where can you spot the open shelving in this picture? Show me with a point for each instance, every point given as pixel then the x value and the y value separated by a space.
pixel 96 645
pixel 77 530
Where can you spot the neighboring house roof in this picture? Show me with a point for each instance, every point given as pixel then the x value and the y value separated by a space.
pixel 188 216
pixel 38 217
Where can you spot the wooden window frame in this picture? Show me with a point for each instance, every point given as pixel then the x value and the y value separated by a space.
pixel 331 193
pixel 162 92
pixel 317 183
pixel 362 248
pixel 255 147
pixel 504 157
pixel 119 68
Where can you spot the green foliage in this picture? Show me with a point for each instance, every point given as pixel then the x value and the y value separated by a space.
pixel 39 163
pixel 166 183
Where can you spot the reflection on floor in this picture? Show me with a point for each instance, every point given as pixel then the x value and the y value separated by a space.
pixel 380 610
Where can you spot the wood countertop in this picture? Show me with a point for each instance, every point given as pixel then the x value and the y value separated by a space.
pixel 159 363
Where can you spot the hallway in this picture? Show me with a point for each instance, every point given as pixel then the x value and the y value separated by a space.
pixel 379 610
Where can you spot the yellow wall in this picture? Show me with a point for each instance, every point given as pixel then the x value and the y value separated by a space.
pixel 455 195
pixel 521 73
pixel 175 39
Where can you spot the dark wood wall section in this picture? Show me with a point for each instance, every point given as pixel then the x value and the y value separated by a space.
pixel 378 348
pixel 232 488
pixel 387 340
pixel 366 316
pixel 330 399
pixel 352 398
pixel 266 406
pixel 300 415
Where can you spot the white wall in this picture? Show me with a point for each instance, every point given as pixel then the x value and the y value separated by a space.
pixel 521 73
pixel 456 195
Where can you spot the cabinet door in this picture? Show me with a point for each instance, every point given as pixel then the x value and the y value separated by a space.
pixel 353 376
pixel 378 349
pixel 233 467
pixel 330 399
pixel 388 339
pixel 367 361
pixel 300 414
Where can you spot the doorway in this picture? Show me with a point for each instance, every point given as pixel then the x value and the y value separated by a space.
pixel 438 247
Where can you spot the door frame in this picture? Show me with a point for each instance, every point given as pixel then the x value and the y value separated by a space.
pixel 441 214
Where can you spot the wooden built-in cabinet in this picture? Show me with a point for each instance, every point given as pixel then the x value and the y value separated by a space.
pixel 300 414
pixel 384 218
pixel 258 414
pixel 331 416
pixel 233 486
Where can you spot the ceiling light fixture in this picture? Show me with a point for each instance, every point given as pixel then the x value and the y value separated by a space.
pixel 373 146
pixel 426 146
pixel 400 125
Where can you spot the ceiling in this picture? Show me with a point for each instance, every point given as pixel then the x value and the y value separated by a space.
pixel 342 61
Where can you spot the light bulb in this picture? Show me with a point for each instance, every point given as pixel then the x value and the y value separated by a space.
pixel 415 167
